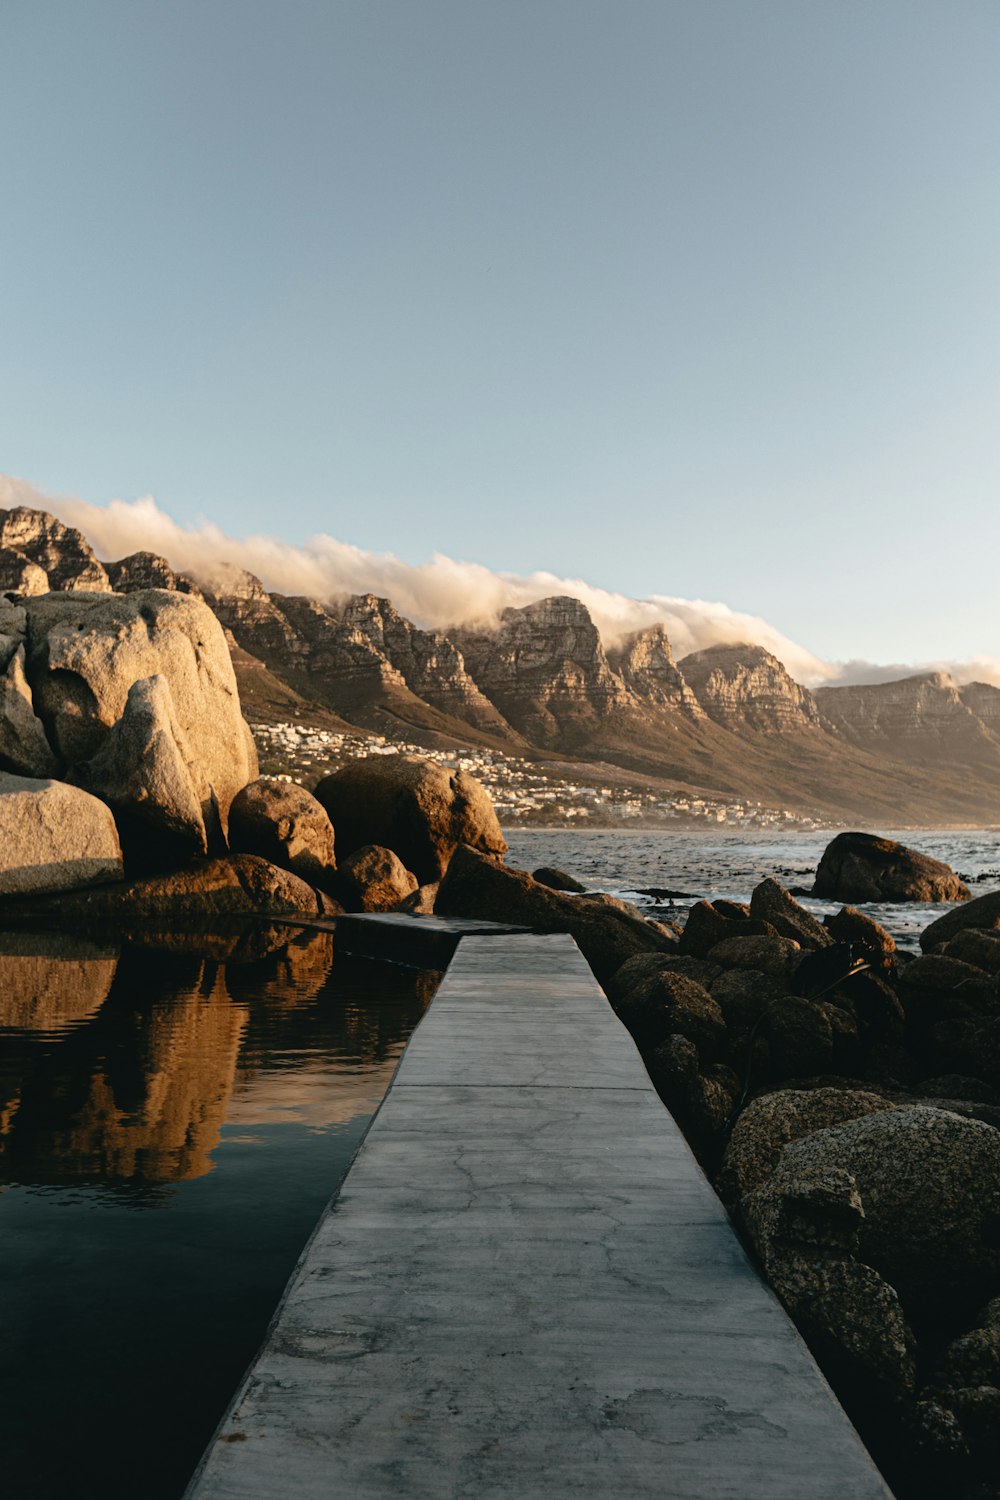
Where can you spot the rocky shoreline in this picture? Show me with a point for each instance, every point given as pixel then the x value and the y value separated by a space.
pixel 843 1097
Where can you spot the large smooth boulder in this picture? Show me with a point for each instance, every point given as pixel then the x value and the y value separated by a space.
pixel 374 879
pixel 420 810
pixel 85 653
pixel 477 886
pixel 54 837
pixel 864 867
pixel 282 822
pixel 983 914
pixel 24 748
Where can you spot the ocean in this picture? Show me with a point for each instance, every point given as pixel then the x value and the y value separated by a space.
pixel 692 866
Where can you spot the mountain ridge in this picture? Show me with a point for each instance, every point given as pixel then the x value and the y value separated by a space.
pixel 542 684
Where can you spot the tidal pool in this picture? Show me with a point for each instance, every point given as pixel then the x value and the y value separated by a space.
pixel 173 1120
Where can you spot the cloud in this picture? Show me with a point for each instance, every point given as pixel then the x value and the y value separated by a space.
pixel 444 591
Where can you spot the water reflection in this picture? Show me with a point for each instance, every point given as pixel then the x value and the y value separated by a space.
pixel 219 1084
pixel 124 1067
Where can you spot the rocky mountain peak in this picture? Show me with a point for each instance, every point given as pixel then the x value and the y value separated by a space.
pixel 148 570
pixel 645 663
pixel 984 701
pixel 61 552
pixel 745 687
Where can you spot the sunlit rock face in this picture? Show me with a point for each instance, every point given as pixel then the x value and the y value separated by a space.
pixel 744 687
pixel 645 662
pixel 927 713
pixel 545 669
pixel 61 552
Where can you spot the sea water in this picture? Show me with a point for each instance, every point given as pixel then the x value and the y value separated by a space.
pixel 729 864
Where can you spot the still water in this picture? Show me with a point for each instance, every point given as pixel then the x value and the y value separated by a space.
pixel 172 1124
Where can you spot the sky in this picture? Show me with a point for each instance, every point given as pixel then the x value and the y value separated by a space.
pixel 685 301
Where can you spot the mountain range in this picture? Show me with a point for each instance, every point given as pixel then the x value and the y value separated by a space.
pixel 543 684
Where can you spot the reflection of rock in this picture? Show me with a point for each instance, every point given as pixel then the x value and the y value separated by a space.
pixel 150 1098
pixel 49 982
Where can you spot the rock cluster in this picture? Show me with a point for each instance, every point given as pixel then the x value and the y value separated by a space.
pixel 847 1105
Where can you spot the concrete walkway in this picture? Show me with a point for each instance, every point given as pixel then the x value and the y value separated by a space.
pixel 527 1290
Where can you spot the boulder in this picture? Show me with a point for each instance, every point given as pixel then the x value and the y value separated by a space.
pixel 973 946
pixel 233 886
pixel 983 914
pixel 145 772
pixel 477 886
pixel 706 925
pixel 929 1183
pixel 773 1121
pixel 852 926
pixel 374 879
pixel 283 823
pixel 420 810
pixel 770 902
pixel 666 1004
pixel 24 748
pixel 864 867
pixel 939 972
pixel 806 1226
pixel 776 956
pixel 799 1037
pixel 558 880
pixel 419 903
pixel 54 837
pixel 86 651
pixel 743 995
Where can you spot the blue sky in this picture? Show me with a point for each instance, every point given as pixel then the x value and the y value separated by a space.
pixel 695 299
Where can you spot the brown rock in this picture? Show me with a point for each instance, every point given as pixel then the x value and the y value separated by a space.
pixel 374 879
pixel 706 926
pixel 420 810
pixel 770 902
pixel 863 867
pixel 237 885
pixel 982 913
pixel 799 1036
pixel 973 946
pixel 852 926
pixel 557 880
pixel 476 886
pixel 776 956
pixel 666 1004
pixel 283 823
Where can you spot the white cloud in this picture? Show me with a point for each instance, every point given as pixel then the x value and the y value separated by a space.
pixel 443 591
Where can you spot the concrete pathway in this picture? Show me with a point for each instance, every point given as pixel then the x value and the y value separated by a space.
pixel 527 1290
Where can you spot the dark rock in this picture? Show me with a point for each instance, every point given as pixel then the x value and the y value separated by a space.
pixel 799 1037
pixel 705 926
pixel 665 1004
pixel 929 1183
pixel 772 1121
pixel 863 867
pixel 776 956
pixel 557 880
pixel 940 972
pixel 973 946
pixel 743 995
pixel 982 913
pixel 770 902
pixel 283 823
pixel 420 810
pixel 373 879
pixel 477 886
pixel 852 926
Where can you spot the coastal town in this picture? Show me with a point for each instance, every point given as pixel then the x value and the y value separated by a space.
pixel 525 793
